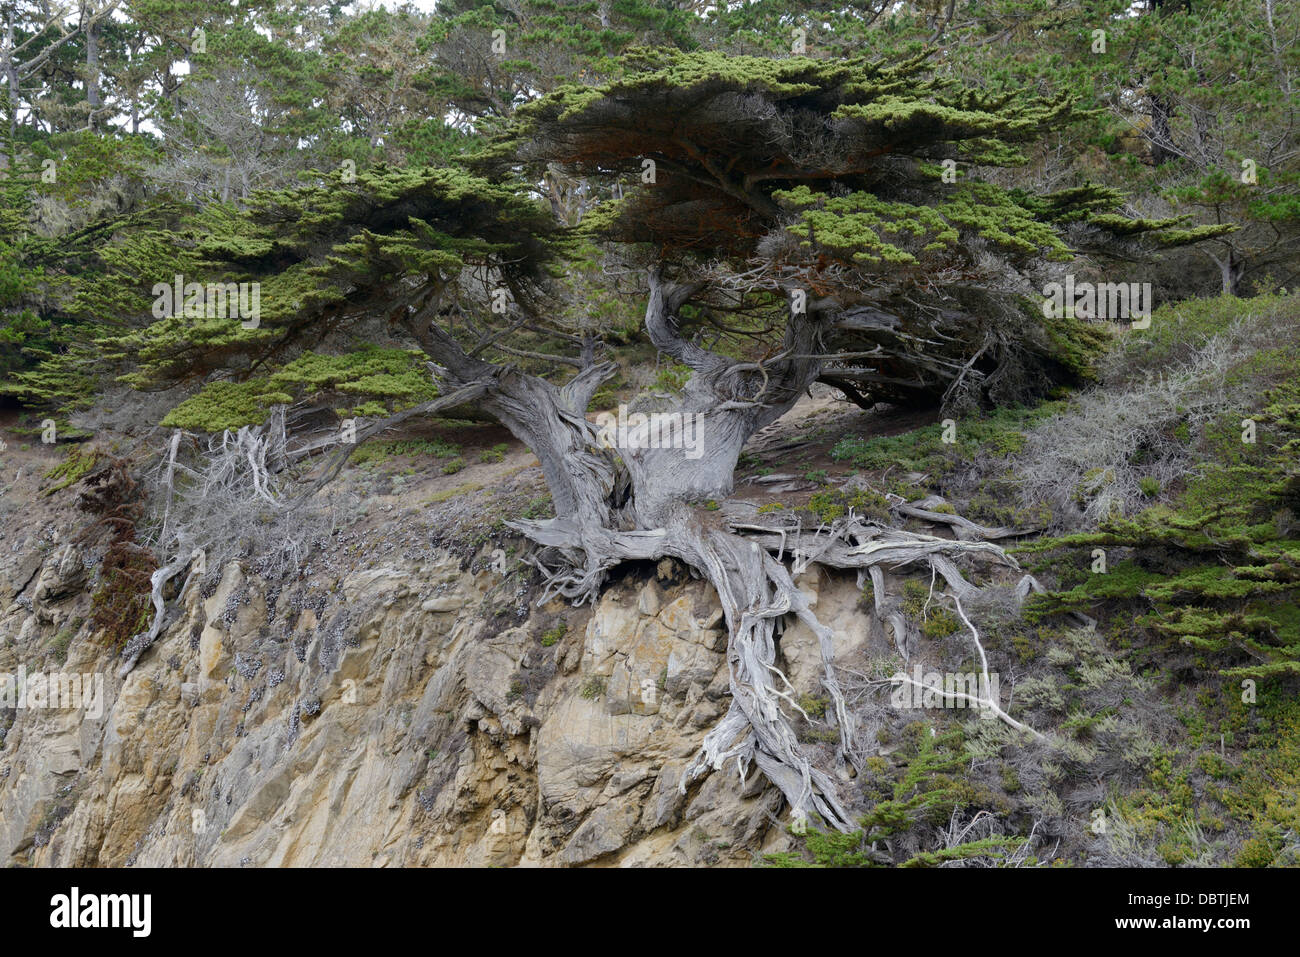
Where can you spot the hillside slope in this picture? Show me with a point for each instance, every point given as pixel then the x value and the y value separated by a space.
pixel 395 697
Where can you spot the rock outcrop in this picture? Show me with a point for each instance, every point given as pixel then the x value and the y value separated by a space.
pixel 407 713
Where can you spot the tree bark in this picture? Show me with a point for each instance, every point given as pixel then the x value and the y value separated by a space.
pixel 93 101
pixel 1231 270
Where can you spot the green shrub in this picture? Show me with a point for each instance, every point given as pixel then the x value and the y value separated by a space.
pixel 916 594
pixel 672 377
pixel 830 505
pixel 1000 434
pixel 814 705
pixel 375 453
pixel 539 507
pixel 60 643
pixel 910 798
pixel 1213 569
pixel 940 623
pixel 71 470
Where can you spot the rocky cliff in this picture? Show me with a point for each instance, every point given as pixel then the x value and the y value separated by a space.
pixel 389 711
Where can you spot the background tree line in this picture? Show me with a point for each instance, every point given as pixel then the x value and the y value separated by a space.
pixel 111 111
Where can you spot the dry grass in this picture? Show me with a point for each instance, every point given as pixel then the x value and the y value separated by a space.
pixel 1135 436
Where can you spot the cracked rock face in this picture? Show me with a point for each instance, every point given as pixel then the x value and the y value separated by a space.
pixel 393 721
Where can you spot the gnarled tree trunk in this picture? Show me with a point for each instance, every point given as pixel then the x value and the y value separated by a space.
pixel 637 502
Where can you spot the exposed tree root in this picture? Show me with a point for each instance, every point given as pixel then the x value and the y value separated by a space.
pixel 236 473
pixel 140 643
pixel 745 562
pixel 963 528
pixel 236 477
